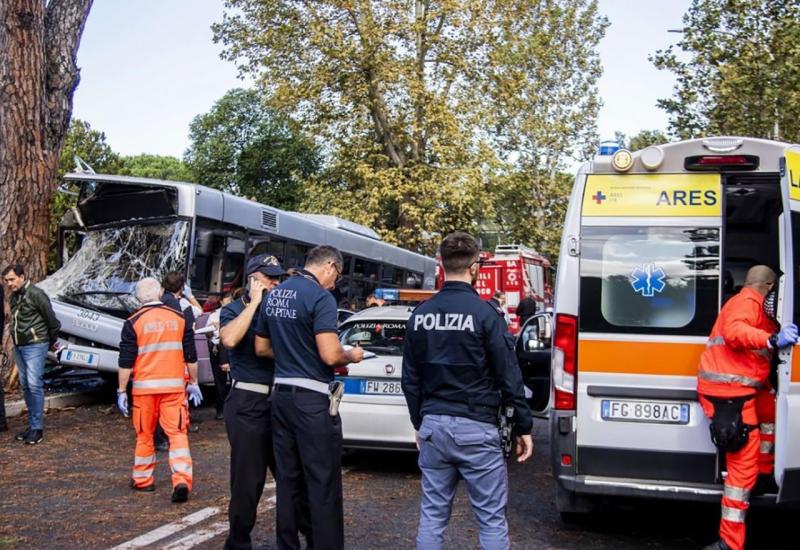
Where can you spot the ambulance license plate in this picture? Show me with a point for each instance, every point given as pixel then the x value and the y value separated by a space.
pixel 656 412
pixel 381 387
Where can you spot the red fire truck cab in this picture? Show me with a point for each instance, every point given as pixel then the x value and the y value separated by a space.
pixel 516 271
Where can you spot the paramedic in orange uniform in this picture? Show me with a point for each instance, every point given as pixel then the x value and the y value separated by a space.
pixel 156 348
pixel 735 393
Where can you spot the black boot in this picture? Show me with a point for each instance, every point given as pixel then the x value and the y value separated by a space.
pixel 719 545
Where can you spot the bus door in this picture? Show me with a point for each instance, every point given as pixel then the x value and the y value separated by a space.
pixel 649 295
pixel 787 425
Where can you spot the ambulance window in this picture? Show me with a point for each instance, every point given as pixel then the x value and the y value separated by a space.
pixel 650 280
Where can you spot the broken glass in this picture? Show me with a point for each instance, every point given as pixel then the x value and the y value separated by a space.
pixel 104 271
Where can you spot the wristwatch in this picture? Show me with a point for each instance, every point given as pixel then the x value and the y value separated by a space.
pixel 120 392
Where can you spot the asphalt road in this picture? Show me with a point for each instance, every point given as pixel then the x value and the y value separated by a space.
pixel 71 492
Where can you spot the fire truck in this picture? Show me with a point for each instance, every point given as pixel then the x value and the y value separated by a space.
pixel 517 271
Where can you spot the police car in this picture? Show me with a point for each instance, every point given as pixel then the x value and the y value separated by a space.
pixel 373 408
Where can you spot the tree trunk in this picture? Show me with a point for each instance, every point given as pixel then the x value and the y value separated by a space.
pixel 38 76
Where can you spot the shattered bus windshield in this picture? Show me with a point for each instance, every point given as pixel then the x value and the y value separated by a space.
pixel 103 272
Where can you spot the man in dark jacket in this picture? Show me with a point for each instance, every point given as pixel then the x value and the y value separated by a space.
pixel 34 329
pixel 3 423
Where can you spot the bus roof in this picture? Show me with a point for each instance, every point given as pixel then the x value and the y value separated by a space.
pixel 349 237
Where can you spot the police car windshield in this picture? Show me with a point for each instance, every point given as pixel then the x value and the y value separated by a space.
pixel 380 337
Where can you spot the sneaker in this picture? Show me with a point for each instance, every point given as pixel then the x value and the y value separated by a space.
pixel 34 437
pixel 180 493
pixel 23 435
pixel 147 489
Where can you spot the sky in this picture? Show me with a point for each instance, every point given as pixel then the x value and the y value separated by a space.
pixel 149 67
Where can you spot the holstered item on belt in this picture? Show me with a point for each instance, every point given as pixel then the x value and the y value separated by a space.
pixel 728 431
pixel 506 428
pixel 335 392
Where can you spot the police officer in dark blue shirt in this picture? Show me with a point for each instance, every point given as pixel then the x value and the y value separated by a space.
pixel 298 327
pixel 247 409
pixel 459 368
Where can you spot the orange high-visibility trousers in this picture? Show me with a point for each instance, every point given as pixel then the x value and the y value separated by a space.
pixel 170 410
pixel 744 465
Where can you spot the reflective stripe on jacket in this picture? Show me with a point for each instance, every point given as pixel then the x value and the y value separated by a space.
pixel 157 333
pixel 736 360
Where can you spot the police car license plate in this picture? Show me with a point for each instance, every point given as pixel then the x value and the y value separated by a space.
pixel 81 357
pixel 656 412
pixel 381 387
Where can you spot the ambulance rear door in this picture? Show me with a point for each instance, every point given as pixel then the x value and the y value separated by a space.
pixel 650 291
pixel 787 425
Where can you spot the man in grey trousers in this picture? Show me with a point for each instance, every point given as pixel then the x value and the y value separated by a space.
pixel 459 368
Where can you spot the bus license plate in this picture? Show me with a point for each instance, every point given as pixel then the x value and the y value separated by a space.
pixel 81 357
pixel 381 387
pixel 656 412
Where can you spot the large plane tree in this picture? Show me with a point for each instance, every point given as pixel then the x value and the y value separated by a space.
pixel 38 76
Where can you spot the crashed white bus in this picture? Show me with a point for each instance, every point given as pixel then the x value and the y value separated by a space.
pixel 125 228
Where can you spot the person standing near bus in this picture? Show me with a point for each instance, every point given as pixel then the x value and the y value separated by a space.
pixel 155 351
pixel 248 408
pixel 459 369
pixel 736 394
pixel 298 327
pixel 34 330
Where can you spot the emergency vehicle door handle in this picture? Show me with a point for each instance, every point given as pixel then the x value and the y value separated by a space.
pixel 573 246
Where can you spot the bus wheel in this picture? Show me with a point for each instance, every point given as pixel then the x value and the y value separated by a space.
pixel 572 506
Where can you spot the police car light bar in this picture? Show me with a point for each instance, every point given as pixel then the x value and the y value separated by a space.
pixel 404 294
pixel 713 163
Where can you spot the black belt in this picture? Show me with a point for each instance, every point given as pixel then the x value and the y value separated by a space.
pixel 288 388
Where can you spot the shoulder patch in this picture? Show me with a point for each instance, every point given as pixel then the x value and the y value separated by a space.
pixel 497 309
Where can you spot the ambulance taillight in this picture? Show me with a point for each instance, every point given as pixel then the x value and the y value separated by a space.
pixel 717 163
pixel 565 351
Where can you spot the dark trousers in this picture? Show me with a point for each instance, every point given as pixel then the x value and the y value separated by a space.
pixel 308 446
pixel 220 376
pixel 247 420
pixel 3 423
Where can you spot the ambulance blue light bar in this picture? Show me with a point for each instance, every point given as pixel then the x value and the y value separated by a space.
pixel 715 163
pixel 608 147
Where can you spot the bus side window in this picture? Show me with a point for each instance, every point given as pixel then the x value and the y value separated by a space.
pixel 277 248
pixel 296 255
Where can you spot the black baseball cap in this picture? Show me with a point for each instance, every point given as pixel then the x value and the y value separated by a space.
pixel 266 264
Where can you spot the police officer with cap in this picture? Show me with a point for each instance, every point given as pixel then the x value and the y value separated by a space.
pixel 247 409
pixel 298 326
pixel 459 369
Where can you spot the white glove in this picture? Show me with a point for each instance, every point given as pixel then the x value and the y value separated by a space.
pixel 195 395
pixel 122 403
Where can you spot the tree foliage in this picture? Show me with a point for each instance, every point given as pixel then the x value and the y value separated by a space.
pixel 161 167
pixel 90 146
pixel 425 108
pixel 243 146
pixel 646 138
pixel 737 67
pixel 643 139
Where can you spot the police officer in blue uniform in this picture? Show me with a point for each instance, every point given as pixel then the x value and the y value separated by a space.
pixel 459 368
pixel 247 408
pixel 297 326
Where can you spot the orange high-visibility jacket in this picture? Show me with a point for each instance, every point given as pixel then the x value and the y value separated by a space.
pixel 157 344
pixel 736 360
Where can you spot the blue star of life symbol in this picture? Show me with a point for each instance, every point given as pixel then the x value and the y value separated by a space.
pixel 648 279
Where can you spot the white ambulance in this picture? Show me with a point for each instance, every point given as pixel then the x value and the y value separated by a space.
pixel 654 243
